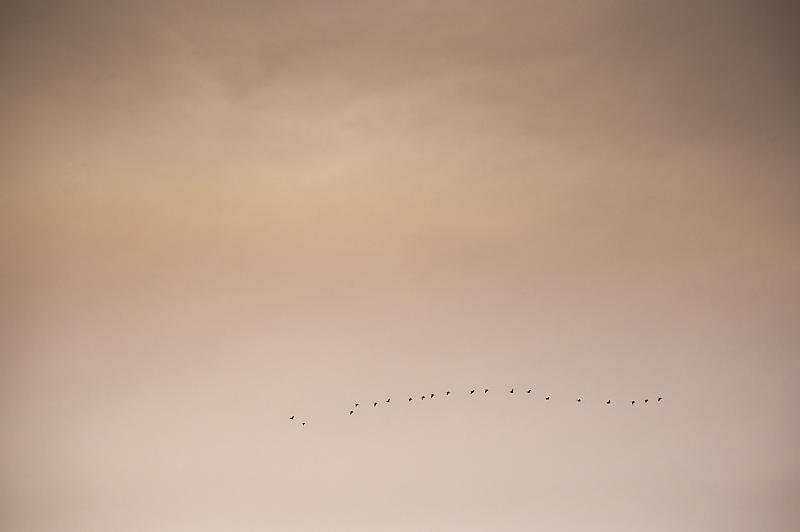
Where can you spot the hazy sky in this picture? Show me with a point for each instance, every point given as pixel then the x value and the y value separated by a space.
pixel 214 215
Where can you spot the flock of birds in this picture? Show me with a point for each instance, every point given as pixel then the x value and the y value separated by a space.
pixel 471 392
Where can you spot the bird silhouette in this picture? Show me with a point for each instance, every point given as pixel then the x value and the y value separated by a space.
pixel 448 393
pixel 659 399
pixel 471 392
pixel 291 417
pixel 547 398
pixel 511 391
pixel 528 391
pixel 432 395
pixel 389 399
pixel 423 397
pixel 633 402
pixel 304 423
pixel 485 390
pixel 375 403
pixel 646 400
pixel 608 402
pixel 579 400
pixel 351 412
pixel 356 405
pixel 409 399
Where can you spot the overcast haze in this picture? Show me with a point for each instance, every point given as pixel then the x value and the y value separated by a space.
pixel 216 215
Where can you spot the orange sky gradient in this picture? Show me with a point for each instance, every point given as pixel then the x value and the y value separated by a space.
pixel 217 215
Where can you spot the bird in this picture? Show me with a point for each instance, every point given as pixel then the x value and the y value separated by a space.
pixel 485 390
pixel 351 412
pixel 448 392
pixel 579 399
pixel 389 399
pixel 646 400
pixel 356 405
pixel 633 402
pixel 528 391
pixel 304 423
pixel 432 395
pixel 659 399
pixel 291 417
pixel 375 403
pixel 423 397
pixel 547 398
pixel 608 402
pixel 511 391
pixel 409 399
pixel 471 392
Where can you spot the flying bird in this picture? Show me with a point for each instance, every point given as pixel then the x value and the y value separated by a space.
pixel 448 393
pixel 633 402
pixel 356 405
pixel 659 399
pixel 409 399
pixel 389 399
pixel 547 398
pixel 485 390
pixel 579 400
pixel 608 402
pixel 351 412
pixel 471 392
pixel 423 397
pixel 512 390
pixel 304 423
pixel 646 400
pixel 432 395
pixel 375 403
pixel 528 391
pixel 291 417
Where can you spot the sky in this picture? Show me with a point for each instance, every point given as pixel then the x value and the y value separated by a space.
pixel 217 215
